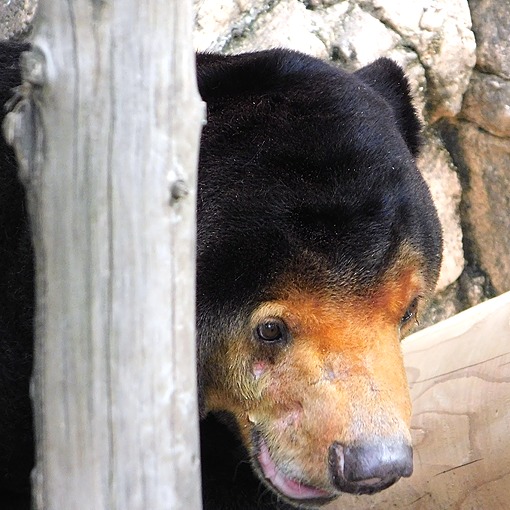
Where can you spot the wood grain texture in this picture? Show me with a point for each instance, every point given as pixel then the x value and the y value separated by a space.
pixel 459 372
pixel 117 124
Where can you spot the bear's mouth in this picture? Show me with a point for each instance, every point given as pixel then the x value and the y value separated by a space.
pixel 282 483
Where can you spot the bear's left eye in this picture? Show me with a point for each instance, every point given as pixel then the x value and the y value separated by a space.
pixel 410 312
pixel 272 330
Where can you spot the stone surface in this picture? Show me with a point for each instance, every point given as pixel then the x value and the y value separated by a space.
pixel 15 18
pixel 440 33
pixel 491 24
pixel 313 4
pixel 344 30
pixel 439 172
pixel 487 202
pixel 487 103
pixel 287 24
pixel 472 288
pixel 218 22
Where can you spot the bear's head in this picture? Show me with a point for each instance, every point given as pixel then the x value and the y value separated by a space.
pixel 318 244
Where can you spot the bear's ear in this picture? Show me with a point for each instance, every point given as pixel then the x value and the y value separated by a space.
pixel 388 79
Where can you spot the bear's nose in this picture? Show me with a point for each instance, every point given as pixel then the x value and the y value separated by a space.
pixel 367 468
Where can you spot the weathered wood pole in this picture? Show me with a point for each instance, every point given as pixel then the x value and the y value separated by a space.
pixel 110 168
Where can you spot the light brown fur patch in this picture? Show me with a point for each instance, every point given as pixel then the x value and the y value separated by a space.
pixel 339 378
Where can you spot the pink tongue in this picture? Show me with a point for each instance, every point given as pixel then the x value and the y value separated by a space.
pixel 290 488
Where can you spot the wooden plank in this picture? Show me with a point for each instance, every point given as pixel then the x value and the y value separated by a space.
pixel 111 175
pixel 459 372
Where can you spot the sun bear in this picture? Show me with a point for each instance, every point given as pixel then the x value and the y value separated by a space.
pixel 318 243
pixel 317 246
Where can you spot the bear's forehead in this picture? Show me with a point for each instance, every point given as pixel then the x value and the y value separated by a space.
pixel 352 278
pixel 304 170
pixel 321 159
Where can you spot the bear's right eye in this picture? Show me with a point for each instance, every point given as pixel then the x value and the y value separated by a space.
pixel 272 330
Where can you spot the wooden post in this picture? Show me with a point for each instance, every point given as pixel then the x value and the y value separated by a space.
pixel 110 171
pixel 459 372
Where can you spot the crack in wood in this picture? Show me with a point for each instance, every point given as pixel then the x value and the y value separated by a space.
pixel 429 494
pixel 458 467
pixel 461 369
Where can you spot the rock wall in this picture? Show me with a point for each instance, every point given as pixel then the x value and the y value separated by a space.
pixel 457 55
pixel 15 18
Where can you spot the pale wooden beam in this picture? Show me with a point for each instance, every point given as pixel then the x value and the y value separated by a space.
pixel 110 171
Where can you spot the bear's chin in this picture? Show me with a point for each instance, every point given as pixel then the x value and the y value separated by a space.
pixel 289 489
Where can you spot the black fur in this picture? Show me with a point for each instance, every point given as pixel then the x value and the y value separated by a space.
pixel 16 305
